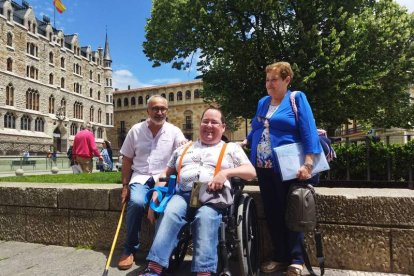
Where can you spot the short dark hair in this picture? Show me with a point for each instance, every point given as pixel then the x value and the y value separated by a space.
pixel 222 119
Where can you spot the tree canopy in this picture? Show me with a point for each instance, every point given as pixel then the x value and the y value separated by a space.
pixel 354 59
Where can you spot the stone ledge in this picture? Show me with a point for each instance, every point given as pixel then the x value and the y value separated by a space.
pixel 376 225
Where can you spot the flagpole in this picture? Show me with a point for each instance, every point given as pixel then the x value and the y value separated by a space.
pixel 54 18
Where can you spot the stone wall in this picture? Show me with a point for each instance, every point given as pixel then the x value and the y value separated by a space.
pixel 363 229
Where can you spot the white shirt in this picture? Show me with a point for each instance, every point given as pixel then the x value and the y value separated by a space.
pixel 150 154
pixel 200 161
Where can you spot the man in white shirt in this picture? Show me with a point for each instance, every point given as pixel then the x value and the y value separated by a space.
pixel 146 151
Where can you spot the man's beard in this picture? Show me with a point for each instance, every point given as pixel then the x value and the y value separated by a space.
pixel 157 122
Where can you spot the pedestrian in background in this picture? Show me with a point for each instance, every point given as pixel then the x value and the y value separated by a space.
pixel 84 148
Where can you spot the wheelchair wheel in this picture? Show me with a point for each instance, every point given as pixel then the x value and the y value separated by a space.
pixel 248 234
pixel 178 254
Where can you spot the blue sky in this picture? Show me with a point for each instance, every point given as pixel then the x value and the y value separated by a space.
pixel 125 21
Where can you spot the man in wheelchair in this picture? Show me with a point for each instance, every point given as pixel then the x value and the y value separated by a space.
pixel 197 162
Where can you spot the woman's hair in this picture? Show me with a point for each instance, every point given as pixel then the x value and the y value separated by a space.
pixel 107 144
pixel 282 67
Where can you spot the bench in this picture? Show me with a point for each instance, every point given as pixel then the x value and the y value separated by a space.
pixel 20 163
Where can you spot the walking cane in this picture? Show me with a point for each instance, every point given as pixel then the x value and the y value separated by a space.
pixel 108 261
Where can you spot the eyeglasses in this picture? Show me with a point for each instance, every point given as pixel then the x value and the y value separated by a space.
pixel 158 108
pixel 213 123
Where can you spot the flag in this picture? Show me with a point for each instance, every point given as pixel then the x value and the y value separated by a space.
pixel 59 6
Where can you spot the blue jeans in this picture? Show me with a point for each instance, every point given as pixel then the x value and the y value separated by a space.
pixel 135 211
pixel 204 229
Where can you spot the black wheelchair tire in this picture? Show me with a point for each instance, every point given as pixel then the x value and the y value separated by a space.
pixel 179 252
pixel 248 234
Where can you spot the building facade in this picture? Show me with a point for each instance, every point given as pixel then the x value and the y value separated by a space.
pixel 50 85
pixel 185 107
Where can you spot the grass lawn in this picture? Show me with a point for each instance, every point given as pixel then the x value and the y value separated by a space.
pixel 99 177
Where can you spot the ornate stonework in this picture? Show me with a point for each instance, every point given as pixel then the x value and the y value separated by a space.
pixel 49 84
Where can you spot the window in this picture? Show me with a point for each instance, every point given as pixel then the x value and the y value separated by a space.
pixel 32 72
pixel 50 78
pixel 119 103
pixel 9 120
pixel 73 129
pixel 76 87
pixel 90 92
pixel 133 102
pixel 32 49
pixel 188 95
pixel 126 102
pixel 107 118
pixel 99 95
pixel 51 104
pixel 32 99
pixel 99 115
pixel 25 122
pixel 90 74
pixel 99 78
pixel 9 64
pixel 62 62
pixel 39 124
pixel 140 100
pixel 10 94
pixel 179 96
pixel 51 57
pixel 196 94
pixel 62 83
pixel 9 39
pixel 171 97
pixel 9 15
pixel 163 95
pixel 78 110
pixel 99 133
pixel 91 112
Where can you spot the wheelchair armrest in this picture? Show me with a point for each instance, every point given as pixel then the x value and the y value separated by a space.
pixel 237 183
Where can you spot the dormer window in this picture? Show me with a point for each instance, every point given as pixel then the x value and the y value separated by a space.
pixel 9 15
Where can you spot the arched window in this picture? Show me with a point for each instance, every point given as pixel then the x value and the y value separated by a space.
pixel 171 97
pixel 50 78
pixel 126 102
pixel 9 39
pixel 163 95
pixel 99 95
pixel 188 95
pixel 90 74
pixel 51 57
pixel 99 115
pixel 179 96
pixel 140 100
pixel 32 99
pixel 25 122
pixel 9 64
pixel 10 94
pixel 99 133
pixel 63 105
pixel 39 124
pixel 133 102
pixel 78 110
pixel 90 92
pixel 9 120
pixel 196 94
pixel 119 103
pixel 91 113
pixel 62 62
pixel 62 83
pixel 73 129
pixel 51 104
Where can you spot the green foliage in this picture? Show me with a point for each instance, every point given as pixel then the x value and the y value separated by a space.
pixel 353 58
pixel 101 178
pixel 385 161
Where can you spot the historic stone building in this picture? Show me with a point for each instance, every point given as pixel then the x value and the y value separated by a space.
pixel 185 107
pixel 50 85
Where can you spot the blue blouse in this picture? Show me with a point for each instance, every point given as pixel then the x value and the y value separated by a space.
pixel 283 126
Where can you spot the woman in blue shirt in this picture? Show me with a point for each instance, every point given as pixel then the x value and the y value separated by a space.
pixel 275 124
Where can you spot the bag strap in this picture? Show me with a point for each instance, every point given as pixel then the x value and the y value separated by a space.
pixel 319 254
pixel 293 103
pixel 180 161
pixel 218 166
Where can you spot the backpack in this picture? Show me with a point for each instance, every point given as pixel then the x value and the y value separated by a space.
pixel 323 136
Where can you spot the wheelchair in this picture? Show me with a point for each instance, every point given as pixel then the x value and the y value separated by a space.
pixel 239 238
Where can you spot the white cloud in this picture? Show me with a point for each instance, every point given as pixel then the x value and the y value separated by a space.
pixel 122 78
pixel 164 81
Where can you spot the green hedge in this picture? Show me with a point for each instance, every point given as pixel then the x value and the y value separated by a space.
pixel 381 159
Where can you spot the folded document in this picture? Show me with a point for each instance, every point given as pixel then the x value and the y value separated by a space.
pixel 291 157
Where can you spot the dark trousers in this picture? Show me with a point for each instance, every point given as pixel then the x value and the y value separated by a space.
pixel 286 243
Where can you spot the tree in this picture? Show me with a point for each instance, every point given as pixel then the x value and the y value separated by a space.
pixel 353 58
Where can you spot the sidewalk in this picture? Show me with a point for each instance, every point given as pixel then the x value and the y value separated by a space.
pixel 24 259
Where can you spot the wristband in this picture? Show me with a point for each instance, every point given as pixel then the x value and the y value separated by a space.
pixel 308 166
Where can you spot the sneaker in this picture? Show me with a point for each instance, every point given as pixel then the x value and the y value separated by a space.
pixel 148 272
pixel 294 270
pixel 272 266
pixel 126 261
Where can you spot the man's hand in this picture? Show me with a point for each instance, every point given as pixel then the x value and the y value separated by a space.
pixel 124 194
pixel 218 182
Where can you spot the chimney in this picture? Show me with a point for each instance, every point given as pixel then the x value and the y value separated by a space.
pixel 129 87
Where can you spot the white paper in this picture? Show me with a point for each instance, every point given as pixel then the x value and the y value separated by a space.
pixel 291 157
